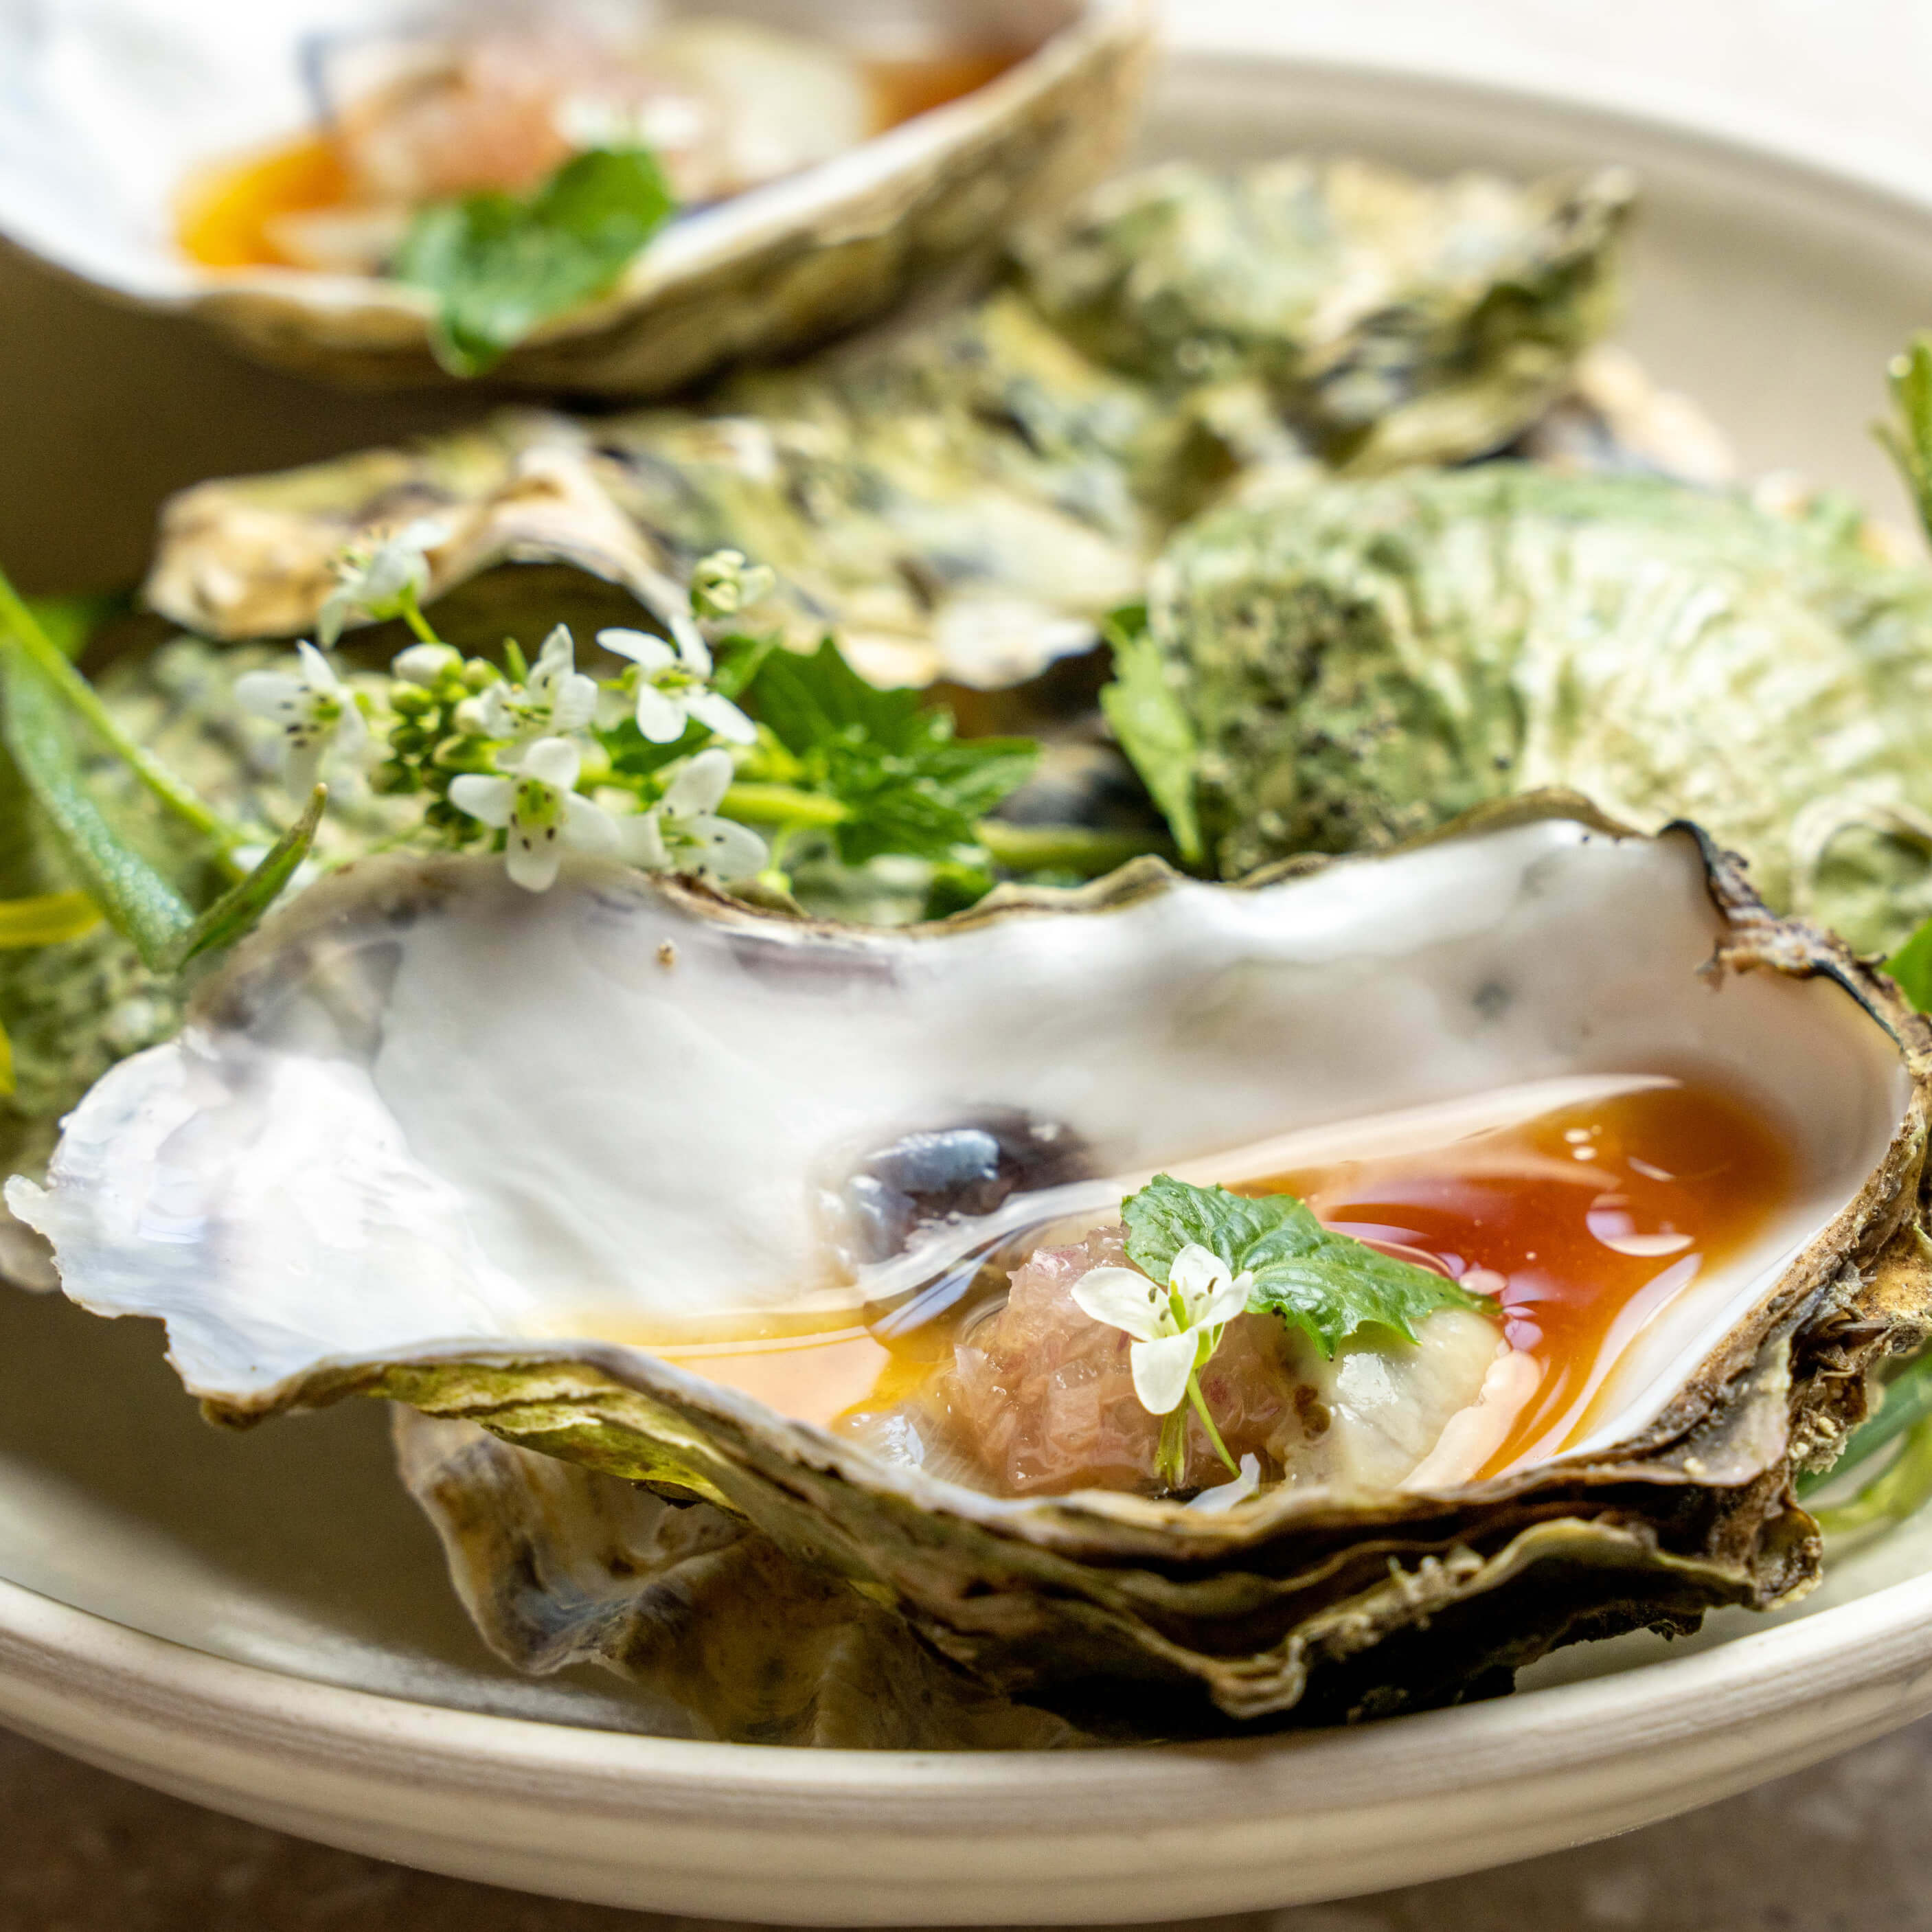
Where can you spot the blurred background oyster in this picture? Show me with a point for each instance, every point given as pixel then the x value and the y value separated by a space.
pixel 608 197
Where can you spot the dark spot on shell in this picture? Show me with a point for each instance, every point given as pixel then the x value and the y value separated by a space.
pixel 1492 1000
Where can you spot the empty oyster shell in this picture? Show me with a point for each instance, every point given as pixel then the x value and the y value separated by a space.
pixel 431 1138
pixel 113 104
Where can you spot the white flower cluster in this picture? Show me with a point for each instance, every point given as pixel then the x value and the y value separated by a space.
pixel 539 728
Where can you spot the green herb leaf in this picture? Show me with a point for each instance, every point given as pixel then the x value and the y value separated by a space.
pixel 500 264
pixel 239 910
pixel 136 900
pixel 1911 966
pixel 1153 726
pixel 1909 438
pixel 906 783
pixel 1314 1278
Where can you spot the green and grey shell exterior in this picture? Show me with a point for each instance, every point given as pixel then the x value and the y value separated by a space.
pixel 1342 666
pixel 423 1127
pixel 968 499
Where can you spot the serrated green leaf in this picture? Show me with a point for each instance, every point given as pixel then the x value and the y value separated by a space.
pixel 907 785
pixel 499 265
pixel 1908 437
pixel 139 903
pixel 1328 1284
pixel 238 911
pixel 1153 727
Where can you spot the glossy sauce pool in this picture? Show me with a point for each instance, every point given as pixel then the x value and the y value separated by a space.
pixel 1581 1222
pixel 225 212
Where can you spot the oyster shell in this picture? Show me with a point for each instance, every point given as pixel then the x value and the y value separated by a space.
pixel 427 1137
pixel 1360 661
pixel 113 106
pixel 970 501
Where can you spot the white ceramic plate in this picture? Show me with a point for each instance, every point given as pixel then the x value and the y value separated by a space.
pixel 262 1623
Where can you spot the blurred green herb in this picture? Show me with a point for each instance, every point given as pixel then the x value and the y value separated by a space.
pixel 500 265
pixel 1153 727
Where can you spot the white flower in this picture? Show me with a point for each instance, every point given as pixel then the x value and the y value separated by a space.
pixel 425 665
pixel 681 833
pixel 673 687
pixel 558 699
pixel 1175 1328
pixel 376 580
pixel 723 583
pixel 535 802
pixel 312 711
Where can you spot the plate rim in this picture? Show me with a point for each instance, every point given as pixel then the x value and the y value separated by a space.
pixel 1762 1703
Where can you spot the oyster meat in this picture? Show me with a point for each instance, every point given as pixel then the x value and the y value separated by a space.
pixel 969 500
pixel 554 1165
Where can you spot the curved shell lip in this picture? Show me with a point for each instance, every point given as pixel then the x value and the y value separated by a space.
pixel 1125 1523
pixel 1093 64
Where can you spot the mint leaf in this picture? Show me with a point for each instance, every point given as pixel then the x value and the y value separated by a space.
pixel 500 264
pixel 906 783
pixel 1153 727
pixel 1331 1285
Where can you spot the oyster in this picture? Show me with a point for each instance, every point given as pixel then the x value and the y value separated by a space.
pixel 511 1160
pixel 1355 663
pixel 969 501
pixel 114 106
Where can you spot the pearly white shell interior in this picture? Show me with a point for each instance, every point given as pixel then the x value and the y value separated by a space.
pixel 107 107
pixel 473 1120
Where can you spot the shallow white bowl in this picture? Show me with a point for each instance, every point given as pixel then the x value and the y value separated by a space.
pixel 261 1624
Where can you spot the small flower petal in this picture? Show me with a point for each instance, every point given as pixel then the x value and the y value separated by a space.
pixel 713 709
pixel 640 646
pixel 488 799
pixel 269 694
pixel 554 762
pixel 1161 1369
pixel 640 842
pixel 587 825
pixel 1125 1298
pixel 660 718
pixel 727 849
pixel 531 859
pixel 700 786
pixel 424 664
pixel 1195 1273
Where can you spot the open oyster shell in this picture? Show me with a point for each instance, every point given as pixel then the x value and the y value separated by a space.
pixel 427 1134
pixel 558 1564
pixel 112 104
pixel 968 500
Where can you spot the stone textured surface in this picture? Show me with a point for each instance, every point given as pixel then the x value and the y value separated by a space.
pixel 1841 1848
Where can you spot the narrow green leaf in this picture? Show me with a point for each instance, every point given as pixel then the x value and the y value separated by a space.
pixel 1327 1284
pixel 46 918
pixel 6 1063
pixel 1153 728
pixel 138 902
pixel 499 265
pixel 1908 439
pixel 237 912
pixel 1911 966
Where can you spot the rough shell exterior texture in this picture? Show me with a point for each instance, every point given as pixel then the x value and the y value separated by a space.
pixel 777 283
pixel 1305 1606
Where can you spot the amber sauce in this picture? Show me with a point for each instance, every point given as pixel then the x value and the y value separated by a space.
pixel 1583 1222
pixel 226 213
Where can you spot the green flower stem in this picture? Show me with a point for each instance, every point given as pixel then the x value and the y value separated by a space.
pixel 411 612
pixel 1027 848
pixel 783 804
pixel 1066 848
pixel 17 619
pixel 1890 1496
pixel 1200 1401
